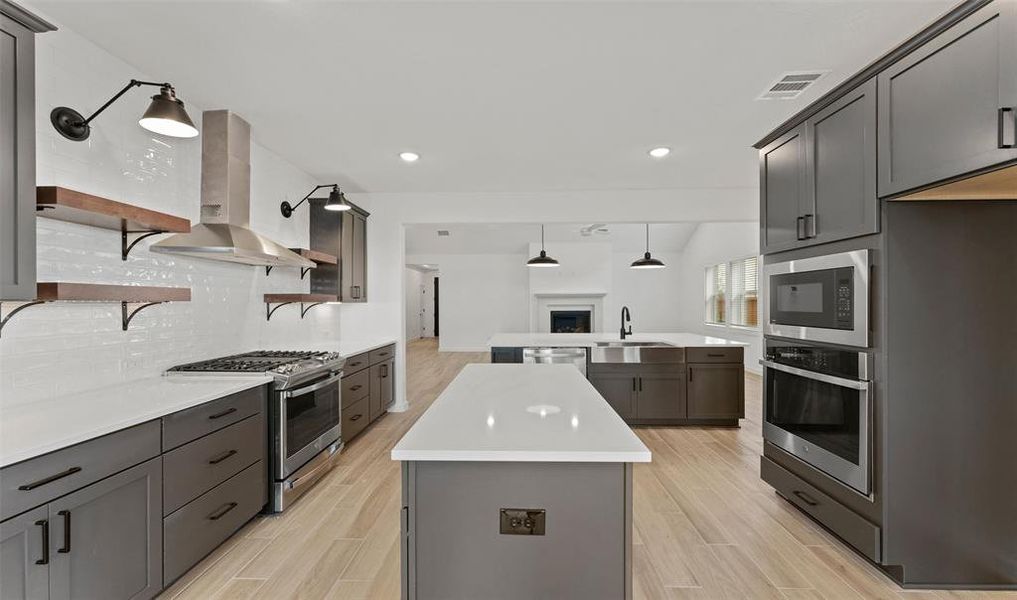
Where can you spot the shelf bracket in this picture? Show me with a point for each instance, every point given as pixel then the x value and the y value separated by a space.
pixel 303 311
pixel 269 310
pixel 128 316
pixel 126 245
pixel 268 269
pixel 304 271
pixel 16 310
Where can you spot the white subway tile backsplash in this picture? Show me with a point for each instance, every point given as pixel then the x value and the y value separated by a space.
pixel 67 347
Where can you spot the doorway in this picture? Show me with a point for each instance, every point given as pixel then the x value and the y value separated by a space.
pixel 436 307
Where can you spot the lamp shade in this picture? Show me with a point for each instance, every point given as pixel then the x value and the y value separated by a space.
pixel 542 260
pixel 166 116
pixel 337 201
pixel 647 262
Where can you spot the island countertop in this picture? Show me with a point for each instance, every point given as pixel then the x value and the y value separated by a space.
pixel 520 413
pixel 682 340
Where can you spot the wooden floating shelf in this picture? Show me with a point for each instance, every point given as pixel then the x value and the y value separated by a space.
pixel 68 205
pixel 320 258
pixel 94 292
pixel 281 300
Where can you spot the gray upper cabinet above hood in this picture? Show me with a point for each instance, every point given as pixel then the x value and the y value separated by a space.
pixel 224 232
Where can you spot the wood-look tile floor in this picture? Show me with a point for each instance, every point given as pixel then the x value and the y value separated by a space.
pixel 706 527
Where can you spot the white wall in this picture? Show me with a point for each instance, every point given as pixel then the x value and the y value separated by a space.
pixel 66 347
pixel 652 295
pixel 480 294
pixel 714 243
pixel 414 285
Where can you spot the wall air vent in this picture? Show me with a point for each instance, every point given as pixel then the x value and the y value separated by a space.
pixel 443 233
pixel 791 85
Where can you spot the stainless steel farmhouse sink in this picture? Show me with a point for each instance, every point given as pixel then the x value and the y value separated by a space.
pixel 636 352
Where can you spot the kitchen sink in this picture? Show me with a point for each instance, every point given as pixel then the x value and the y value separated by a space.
pixel 635 353
pixel 633 345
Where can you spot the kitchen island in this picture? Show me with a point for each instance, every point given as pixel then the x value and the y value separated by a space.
pixel 648 378
pixel 517 483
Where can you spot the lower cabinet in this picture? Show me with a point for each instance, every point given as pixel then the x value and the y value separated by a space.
pixel 676 394
pixel 716 391
pixel 102 541
pixel 368 389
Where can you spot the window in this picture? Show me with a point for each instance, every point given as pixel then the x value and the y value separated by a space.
pixel 732 293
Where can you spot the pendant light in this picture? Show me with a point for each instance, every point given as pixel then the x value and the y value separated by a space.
pixel 647 261
pixel 165 115
pixel 542 260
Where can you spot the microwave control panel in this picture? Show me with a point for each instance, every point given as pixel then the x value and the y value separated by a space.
pixel 844 296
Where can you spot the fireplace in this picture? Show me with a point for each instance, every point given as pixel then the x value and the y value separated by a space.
pixel 570 321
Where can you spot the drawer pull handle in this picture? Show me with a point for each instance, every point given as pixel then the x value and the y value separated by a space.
pixel 805 498
pixel 355 417
pixel 228 411
pixel 1003 144
pixel 222 457
pixel 45 542
pixel 31 486
pixel 66 514
pixel 221 512
pixel 715 355
pixel 356 387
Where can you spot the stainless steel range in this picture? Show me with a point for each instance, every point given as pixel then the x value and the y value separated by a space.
pixel 304 413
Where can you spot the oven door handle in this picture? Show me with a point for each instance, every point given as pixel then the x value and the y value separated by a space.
pixel 312 388
pixel 831 379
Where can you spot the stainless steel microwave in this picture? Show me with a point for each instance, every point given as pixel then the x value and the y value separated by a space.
pixel 821 299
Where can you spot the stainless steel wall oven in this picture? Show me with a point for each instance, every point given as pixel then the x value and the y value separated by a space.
pixel 818 407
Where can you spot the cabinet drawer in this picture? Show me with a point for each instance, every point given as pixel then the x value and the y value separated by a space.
pixel 186 425
pixel 844 522
pixel 192 532
pixel 355 418
pixel 33 482
pixel 355 387
pixel 195 468
pixel 356 363
pixel 714 355
pixel 382 354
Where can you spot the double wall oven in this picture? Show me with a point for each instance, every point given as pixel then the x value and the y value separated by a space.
pixel 818 364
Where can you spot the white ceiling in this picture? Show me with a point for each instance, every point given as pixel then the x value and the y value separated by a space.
pixel 501 238
pixel 499 96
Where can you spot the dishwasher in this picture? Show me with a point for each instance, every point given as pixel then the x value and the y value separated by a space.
pixel 556 356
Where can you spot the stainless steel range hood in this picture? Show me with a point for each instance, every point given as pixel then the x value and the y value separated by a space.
pixel 224 232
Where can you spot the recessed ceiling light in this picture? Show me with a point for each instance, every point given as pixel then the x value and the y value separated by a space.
pixel 409 156
pixel 660 152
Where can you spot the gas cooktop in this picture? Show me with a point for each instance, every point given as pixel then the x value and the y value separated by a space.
pixel 286 366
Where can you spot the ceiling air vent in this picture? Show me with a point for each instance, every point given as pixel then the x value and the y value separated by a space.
pixel 791 85
pixel 443 233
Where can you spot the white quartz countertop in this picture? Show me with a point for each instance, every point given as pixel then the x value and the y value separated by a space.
pixel 520 413
pixel 684 340
pixel 31 430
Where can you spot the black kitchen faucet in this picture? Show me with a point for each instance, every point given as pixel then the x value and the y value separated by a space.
pixel 625 318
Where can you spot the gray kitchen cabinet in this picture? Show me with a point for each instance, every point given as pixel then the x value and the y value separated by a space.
pixel 716 391
pixel 506 355
pixel 341 234
pixel 106 539
pixel 17 153
pixel 948 108
pixel 25 556
pixel 783 191
pixel 660 396
pixel 619 389
pixel 841 200
pixel 382 390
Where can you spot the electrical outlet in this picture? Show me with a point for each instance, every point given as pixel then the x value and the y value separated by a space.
pixel 522 521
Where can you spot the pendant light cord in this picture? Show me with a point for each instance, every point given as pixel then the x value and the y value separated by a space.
pixel 647 237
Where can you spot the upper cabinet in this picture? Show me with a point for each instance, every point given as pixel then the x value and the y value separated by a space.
pixel 818 181
pixel 17 151
pixel 948 108
pixel 341 234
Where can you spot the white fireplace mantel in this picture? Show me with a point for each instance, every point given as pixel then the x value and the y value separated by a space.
pixel 543 303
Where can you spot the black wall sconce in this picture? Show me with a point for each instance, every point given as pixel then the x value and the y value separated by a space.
pixel 336 200
pixel 165 115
